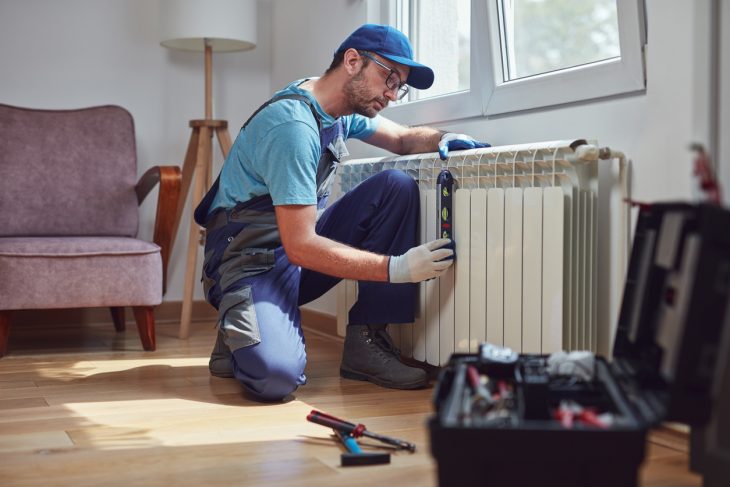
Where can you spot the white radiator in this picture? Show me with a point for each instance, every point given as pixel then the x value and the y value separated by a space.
pixel 525 276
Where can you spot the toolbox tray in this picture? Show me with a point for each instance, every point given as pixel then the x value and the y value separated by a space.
pixel 667 343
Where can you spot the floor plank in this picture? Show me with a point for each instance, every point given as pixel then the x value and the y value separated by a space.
pixel 86 406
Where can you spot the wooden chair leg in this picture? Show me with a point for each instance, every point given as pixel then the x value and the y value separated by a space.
pixel 118 318
pixel 145 318
pixel 4 331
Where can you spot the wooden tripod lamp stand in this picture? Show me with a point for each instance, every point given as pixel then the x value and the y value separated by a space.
pixel 196 25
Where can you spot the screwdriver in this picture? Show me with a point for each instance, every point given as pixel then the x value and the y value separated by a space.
pixel 356 430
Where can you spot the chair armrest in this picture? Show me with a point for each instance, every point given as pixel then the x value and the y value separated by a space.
pixel 170 179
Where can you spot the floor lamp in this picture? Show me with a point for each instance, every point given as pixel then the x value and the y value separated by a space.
pixel 203 26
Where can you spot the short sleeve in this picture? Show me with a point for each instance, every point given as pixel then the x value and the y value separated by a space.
pixel 287 159
pixel 360 127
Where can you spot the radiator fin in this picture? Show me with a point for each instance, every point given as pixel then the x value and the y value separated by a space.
pixel 495 266
pixel 532 271
pixel 462 267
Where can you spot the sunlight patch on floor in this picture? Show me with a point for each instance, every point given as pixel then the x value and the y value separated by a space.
pixel 179 422
pixel 90 368
pixel 119 365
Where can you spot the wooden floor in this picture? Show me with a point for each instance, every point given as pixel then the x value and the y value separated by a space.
pixel 85 406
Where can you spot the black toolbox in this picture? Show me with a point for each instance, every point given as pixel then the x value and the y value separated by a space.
pixel 510 420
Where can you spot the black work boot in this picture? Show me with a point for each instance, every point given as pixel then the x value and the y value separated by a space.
pixel 369 354
pixel 221 360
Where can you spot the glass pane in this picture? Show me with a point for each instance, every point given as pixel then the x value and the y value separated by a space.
pixel 440 34
pixel 539 36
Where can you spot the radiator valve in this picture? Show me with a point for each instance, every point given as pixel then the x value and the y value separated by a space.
pixel 587 153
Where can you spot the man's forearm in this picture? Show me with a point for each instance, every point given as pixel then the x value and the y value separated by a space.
pixel 333 258
pixel 420 139
pixel 305 248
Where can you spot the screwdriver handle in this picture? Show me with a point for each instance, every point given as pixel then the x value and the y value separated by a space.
pixel 355 430
pixel 336 423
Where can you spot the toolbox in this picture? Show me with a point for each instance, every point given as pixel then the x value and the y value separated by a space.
pixel 575 419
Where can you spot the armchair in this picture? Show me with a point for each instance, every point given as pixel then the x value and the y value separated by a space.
pixel 69 216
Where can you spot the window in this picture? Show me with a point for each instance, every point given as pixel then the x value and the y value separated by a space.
pixel 551 52
pixel 440 33
pixel 493 57
pixel 543 36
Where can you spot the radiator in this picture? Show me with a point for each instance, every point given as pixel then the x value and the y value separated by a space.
pixel 524 223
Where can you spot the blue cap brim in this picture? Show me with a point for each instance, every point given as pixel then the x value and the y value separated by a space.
pixel 419 77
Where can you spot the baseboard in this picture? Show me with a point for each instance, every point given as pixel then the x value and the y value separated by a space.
pixel 167 312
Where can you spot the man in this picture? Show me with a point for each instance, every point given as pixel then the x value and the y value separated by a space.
pixel 267 252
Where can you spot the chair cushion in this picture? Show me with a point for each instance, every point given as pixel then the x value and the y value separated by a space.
pixel 78 272
pixel 67 172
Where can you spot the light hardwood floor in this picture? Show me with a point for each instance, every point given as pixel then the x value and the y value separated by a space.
pixel 85 406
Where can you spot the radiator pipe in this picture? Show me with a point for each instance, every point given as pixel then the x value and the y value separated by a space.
pixel 587 152
pixel 606 153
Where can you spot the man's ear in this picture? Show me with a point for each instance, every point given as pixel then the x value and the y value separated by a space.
pixel 352 62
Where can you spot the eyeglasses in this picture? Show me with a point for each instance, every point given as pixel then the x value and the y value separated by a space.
pixel 392 82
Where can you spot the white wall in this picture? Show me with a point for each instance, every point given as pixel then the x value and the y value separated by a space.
pixel 80 53
pixel 308 33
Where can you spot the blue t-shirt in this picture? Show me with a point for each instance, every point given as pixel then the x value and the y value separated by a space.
pixel 277 153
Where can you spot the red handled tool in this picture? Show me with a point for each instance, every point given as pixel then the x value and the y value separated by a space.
pixel 569 411
pixel 356 430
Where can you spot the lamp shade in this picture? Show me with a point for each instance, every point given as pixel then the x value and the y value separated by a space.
pixel 227 25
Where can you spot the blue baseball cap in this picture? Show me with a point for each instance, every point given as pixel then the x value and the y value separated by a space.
pixel 392 44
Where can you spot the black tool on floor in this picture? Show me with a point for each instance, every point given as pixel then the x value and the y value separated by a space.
pixel 355 456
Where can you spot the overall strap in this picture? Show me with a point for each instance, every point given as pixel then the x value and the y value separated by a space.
pixel 292 96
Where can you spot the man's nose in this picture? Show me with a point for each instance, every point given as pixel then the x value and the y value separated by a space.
pixel 391 94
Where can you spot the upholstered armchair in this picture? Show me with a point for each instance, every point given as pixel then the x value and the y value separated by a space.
pixel 69 216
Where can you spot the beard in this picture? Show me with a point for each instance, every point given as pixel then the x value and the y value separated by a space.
pixel 358 99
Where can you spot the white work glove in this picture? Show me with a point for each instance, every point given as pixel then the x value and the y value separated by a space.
pixel 421 263
pixel 451 141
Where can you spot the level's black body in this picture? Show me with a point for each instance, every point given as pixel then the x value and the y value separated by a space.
pixel 670 338
pixel 445 189
pixel 445 185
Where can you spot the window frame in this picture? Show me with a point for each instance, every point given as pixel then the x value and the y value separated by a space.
pixel 452 106
pixel 586 82
pixel 489 95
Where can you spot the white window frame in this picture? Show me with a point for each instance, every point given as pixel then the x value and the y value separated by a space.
pixel 490 95
pixel 587 82
pixel 453 106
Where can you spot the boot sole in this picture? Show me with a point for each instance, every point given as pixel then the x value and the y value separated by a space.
pixel 224 375
pixel 222 372
pixel 349 374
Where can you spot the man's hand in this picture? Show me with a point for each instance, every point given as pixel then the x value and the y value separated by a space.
pixel 451 141
pixel 421 263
